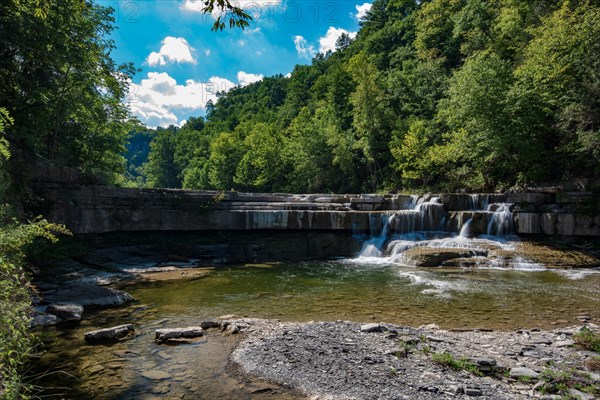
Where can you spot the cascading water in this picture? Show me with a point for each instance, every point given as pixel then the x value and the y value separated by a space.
pixel 373 247
pixel 477 237
pixel 465 231
pixel 501 222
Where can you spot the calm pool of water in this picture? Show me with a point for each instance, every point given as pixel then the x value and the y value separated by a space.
pixel 363 291
pixel 359 290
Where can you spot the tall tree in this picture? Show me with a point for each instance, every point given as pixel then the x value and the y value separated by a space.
pixel 557 94
pixel 161 170
pixel 369 112
pixel 61 85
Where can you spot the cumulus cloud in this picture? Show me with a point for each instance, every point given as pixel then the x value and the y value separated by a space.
pixel 246 79
pixel 361 10
pixel 327 42
pixel 175 50
pixel 303 48
pixel 157 99
pixel 193 6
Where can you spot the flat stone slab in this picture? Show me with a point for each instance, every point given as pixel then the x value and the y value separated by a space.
pixel 156 375
pixel 368 328
pixel 163 335
pixel 522 372
pixel 109 334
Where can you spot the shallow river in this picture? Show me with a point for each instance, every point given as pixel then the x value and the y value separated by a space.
pixel 359 290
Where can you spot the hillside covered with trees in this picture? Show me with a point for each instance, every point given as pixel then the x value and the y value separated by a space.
pixel 440 94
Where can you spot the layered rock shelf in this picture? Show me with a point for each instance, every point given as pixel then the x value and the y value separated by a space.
pixel 93 209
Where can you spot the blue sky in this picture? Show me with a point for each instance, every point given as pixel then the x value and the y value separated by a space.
pixel 184 63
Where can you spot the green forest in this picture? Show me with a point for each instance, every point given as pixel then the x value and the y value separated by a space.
pixel 439 95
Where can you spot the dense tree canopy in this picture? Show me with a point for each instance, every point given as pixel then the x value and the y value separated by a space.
pixel 439 94
pixel 61 86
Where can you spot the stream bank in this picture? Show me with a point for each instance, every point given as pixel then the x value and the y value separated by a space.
pixel 344 360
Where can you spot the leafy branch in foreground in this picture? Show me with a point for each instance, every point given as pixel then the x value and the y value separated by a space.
pixel 238 18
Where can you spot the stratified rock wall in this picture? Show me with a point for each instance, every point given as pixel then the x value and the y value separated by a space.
pixel 92 209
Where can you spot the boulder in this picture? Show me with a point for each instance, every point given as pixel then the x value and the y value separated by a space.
pixel 428 257
pixel 66 311
pixel 109 334
pixel 209 324
pixel 368 328
pixel 233 329
pixel 486 366
pixel 89 295
pixel 164 335
pixel 522 372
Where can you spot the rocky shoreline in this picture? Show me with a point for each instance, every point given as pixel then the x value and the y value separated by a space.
pixel 346 360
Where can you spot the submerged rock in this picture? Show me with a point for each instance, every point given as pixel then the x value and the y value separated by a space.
pixel 66 311
pixel 156 375
pixel 109 334
pixel 89 296
pixel 43 319
pixel 209 324
pixel 163 335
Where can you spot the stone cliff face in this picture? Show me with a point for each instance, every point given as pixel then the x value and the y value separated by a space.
pixel 93 209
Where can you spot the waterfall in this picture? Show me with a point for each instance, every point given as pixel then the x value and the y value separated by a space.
pixel 373 247
pixel 477 234
pixel 465 231
pixel 431 215
pixel 501 221
pixel 474 201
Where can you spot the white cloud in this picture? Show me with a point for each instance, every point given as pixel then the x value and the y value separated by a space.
pixel 193 6
pixel 303 48
pixel 157 99
pixel 362 9
pixel 246 79
pixel 327 42
pixel 207 52
pixel 173 49
pixel 251 31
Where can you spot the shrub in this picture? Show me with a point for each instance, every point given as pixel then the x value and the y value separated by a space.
pixel 593 364
pixel 15 339
pixel 588 340
pixel 457 364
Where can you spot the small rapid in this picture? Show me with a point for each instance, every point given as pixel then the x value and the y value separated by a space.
pixel 424 234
